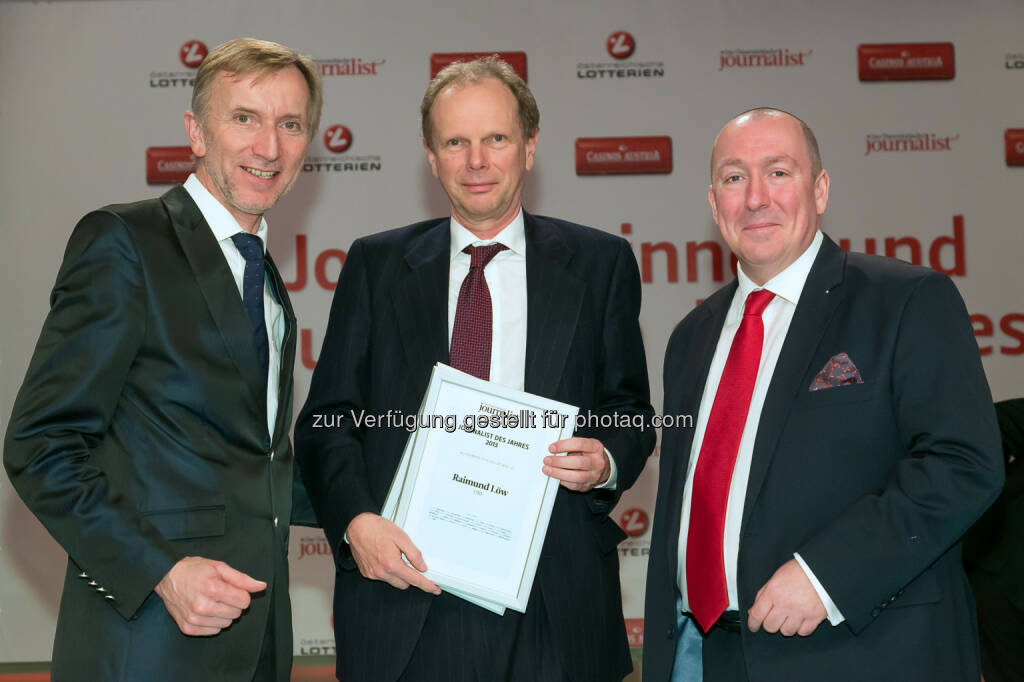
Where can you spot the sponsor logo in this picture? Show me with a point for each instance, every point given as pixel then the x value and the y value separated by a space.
pixel 906 61
pixel 909 142
pixel 313 546
pixel 337 138
pixel 743 59
pixel 439 60
pixel 192 54
pixel 1015 147
pixel 623 155
pixel 634 522
pixel 635 632
pixel 1015 61
pixel 349 66
pixel 621 45
pixel 168 165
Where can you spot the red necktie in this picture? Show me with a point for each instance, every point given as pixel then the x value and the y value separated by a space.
pixel 705 561
pixel 471 334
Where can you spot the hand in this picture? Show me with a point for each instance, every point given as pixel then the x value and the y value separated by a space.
pixel 787 603
pixel 204 596
pixel 378 545
pixel 585 466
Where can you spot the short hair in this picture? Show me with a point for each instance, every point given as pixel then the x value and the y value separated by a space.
pixel 809 138
pixel 244 56
pixel 475 71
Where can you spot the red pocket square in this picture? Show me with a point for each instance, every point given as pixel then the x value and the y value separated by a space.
pixel 838 371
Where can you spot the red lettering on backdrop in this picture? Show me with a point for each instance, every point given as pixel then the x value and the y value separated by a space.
pixel 319 266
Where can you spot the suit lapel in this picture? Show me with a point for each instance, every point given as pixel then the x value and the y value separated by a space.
pixel 692 377
pixel 420 300
pixel 213 276
pixel 554 298
pixel 818 300
pixel 287 345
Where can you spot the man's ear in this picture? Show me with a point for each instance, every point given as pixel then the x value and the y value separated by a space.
pixel 194 130
pixel 431 159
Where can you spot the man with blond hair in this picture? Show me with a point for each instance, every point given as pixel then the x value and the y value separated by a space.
pixel 150 435
pixel 529 302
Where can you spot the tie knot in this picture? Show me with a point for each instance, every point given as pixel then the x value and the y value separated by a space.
pixel 249 245
pixel 480 256
pixel 757 301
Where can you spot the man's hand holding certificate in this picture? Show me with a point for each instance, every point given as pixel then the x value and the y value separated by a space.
pixel 469 506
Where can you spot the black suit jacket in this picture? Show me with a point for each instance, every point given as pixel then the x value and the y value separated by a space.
pixel 873 483
pixel 387 329
pixel 140 437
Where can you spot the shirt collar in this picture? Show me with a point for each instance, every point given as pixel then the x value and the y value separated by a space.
pixel 789 283
pixel 513 236
pixel 220 220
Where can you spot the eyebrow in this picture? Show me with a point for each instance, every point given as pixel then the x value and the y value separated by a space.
pixel 768 161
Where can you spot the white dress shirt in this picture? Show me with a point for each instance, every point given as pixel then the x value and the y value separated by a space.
pixel 787 287
pixel 223 225
pixel 506 279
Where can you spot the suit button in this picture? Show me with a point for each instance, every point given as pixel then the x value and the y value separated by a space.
pixel 876 612
pixel 670 633
pixel 271 455
pixel 275 522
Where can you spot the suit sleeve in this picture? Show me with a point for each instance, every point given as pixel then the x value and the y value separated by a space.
pixel 331 458
pixel 950 472
pixel 69 397
pixel 625 389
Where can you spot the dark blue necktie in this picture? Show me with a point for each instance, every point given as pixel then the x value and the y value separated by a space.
pixel 251 248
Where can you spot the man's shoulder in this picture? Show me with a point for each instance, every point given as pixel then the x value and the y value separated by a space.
pixel 577 233
pixel 401 236
pixel 887 275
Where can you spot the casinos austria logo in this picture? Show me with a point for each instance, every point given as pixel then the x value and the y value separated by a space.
pixel 439 60
pixel 906 62
pixel 909 142
pixel 337 139
pixel 623 155
pixel 620 45
pixel 1015 147
pixel 769 57
pixel 168 165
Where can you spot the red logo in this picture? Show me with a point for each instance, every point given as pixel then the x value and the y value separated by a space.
pixel 634 521
pixel 620 155
pixel 905 62
pixel 635 632
pixel 621 45
pixel 168 165
pixel 337 138
pixel 439 60
pixel 1015 147
pixel 192 53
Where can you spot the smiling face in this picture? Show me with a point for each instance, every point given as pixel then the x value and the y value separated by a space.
pixel 252 143
pixel 763 194
pixel 479 154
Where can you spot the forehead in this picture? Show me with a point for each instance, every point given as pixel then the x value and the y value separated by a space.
pixel 281 88
pixel 752 140
pixel 485 103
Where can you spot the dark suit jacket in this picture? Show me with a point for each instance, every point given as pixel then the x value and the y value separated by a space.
pixel 873 483
pixel 388 327
pixel 140 437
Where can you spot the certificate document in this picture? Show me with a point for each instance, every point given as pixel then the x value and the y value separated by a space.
pixel 470 492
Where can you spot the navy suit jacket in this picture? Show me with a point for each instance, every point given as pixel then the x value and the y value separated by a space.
pixel 387 329
pixel 872 483
pixel 139 437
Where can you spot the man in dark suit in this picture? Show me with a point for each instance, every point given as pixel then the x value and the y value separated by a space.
pixel 994 559
pixel 565 300
pixel 844 440
pixel 151 433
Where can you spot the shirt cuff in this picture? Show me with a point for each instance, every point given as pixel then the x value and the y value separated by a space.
pixel 613 475
pixel 834 616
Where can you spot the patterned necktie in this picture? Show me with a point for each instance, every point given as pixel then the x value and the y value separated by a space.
pixel 471 334
pixel 251 248
pixel 705 562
